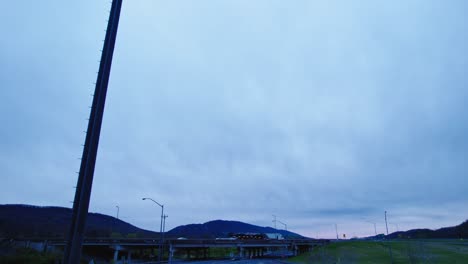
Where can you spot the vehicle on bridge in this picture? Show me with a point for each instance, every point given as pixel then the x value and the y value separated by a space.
pixel 250 236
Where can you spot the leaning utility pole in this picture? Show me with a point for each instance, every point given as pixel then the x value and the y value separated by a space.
pixel 88 161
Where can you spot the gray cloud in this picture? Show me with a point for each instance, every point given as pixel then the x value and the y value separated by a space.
pixel 319 113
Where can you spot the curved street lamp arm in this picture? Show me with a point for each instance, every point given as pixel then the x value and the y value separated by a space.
pixel 146 198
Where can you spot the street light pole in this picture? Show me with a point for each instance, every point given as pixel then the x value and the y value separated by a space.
pixel 161 236
pixel 118 208
pixel 164 232
pixel 164 226
pixel 389 245
pixel 164 223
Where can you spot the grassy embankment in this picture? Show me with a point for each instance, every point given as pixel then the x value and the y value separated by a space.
pixel 403 251
pixel 26 255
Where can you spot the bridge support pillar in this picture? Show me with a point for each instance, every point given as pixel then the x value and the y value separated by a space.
pixel 171 253
pixel 129 257
pixel 116 255
pixel 44 248
pixel 241 252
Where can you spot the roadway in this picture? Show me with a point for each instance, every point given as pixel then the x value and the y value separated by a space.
pixel 242 261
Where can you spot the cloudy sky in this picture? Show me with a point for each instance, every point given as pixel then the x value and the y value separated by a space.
pixel 320 112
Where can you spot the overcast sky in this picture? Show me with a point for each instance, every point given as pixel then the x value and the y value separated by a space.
pixel 319 112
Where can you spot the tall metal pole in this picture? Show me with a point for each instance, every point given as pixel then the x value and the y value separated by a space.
pixel 161 239
pixel 164 232
pixel 88 161
pixel 164 223
pixel 336 229
pixel 161 235
pixel 274 220
pixel 386 225
pixel 118 209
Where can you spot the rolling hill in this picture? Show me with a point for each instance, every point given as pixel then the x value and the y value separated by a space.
pixel 18 221
pixel 51 221
pixel 459 231
pixel 222 228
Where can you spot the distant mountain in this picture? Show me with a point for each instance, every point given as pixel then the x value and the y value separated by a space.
pixel 222 228
pixel 459 231
pixel 49 221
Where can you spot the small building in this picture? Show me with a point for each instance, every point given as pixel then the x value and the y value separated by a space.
pixel 276 236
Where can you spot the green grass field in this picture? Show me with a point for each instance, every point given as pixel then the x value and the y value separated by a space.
pixel 403 251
